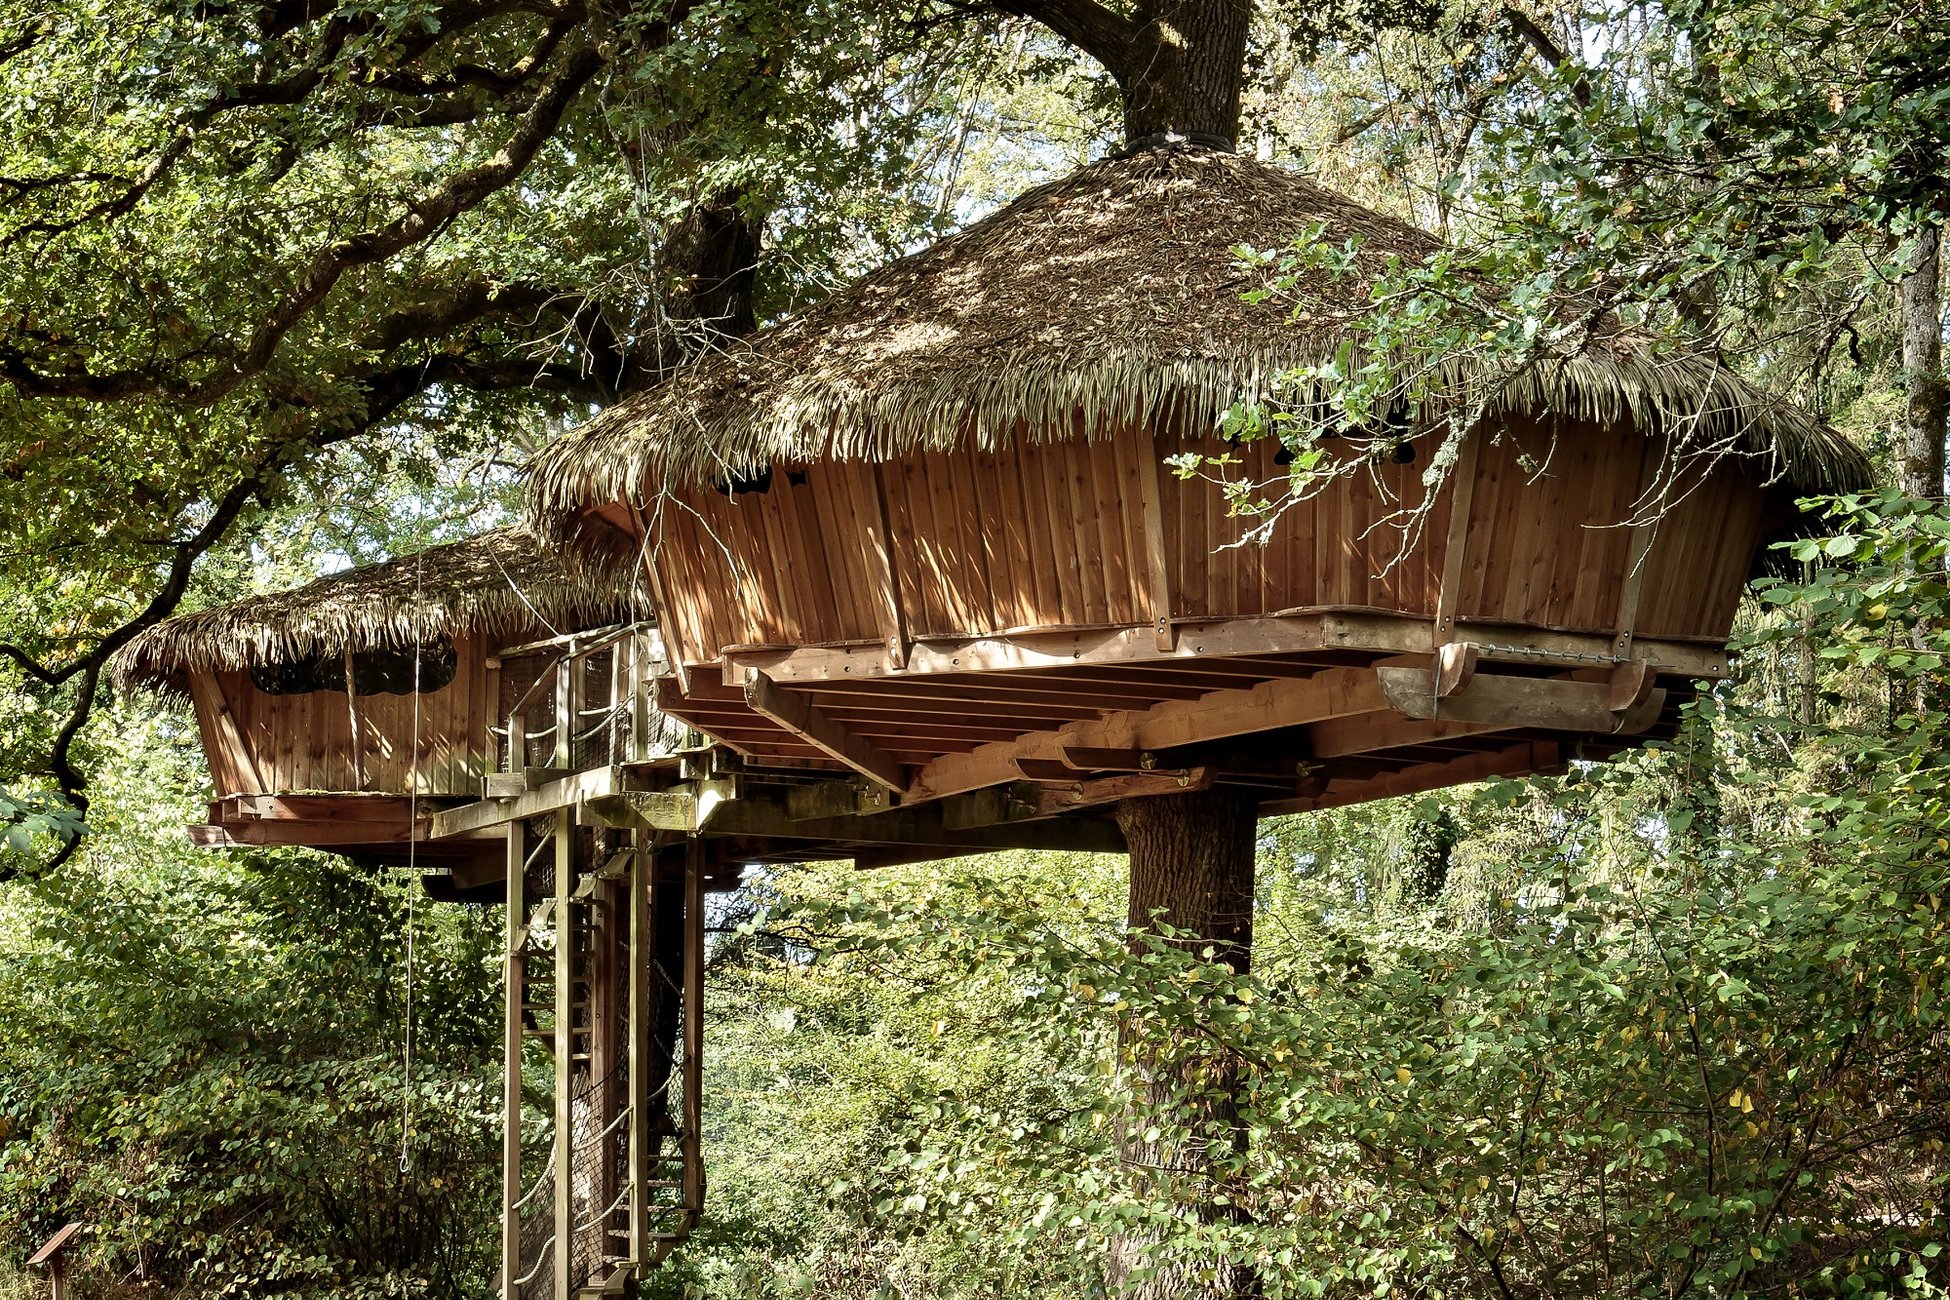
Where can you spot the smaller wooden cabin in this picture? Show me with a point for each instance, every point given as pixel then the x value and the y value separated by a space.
pixel 332 712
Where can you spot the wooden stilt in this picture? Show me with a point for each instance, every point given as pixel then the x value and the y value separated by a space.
pixel 693 1024
pixel 515 980
pixel 565 1044
pixel 642 955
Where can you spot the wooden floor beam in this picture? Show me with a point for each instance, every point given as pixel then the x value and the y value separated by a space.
pixel 1367 733
pixel 1287 702
pixel 1289 632
pixel 1513 760
pixel 1553 704
pixel 796 713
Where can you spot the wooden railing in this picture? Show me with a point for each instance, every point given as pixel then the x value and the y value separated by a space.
pixel 590 705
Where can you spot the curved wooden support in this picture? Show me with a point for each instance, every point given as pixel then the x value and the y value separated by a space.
pixel 798 715
pixel 1548 703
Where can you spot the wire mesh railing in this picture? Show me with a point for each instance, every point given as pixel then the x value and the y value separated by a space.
pixel 584 701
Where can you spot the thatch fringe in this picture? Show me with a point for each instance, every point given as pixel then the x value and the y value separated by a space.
pixel 498 582
pixel 1101 299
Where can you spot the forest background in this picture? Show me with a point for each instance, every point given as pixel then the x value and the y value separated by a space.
pixel 286 286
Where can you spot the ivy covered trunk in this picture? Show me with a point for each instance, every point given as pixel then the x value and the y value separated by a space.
pixel 1926 392
pixel 1191 877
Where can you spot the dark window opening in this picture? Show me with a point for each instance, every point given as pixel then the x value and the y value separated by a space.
pixel 757 483
pixel 374 672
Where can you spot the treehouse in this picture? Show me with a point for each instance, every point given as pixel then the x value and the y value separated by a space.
pixel 926 534
pixel 926 583
pixel 329 711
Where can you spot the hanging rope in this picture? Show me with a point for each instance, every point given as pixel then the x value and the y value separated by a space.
pixel 413 883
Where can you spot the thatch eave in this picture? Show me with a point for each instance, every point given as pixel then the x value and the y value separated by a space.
pixel 495 583
pixel 1094 301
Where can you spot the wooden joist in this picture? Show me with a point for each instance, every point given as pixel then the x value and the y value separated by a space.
pixel 932 827
pixel 569 792
pixel 1383 729
pixel 1068 797
pixel 794 712
pixel 1513 760
pixel 1286 702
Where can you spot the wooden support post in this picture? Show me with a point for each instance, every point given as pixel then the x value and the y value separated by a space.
pixel 640 679
pixel 208 695
pixel 564 713
pixel 642 954
pixel 352 713
pixel 1455 664
pixel 1628 596
pixel 1157 572
pixel 616 753
pixel 886 575
pixel 518 740
pixel 565 1043
pixel 1462 492
pixel 600 1035
pixel 54 1255
pixel 694 1024
pixel 515 972
pixel 1644 533
pixel 492 693
pixel 674 647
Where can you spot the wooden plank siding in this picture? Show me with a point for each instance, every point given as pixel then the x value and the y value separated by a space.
pixel 304 742
pixel 1012 583
pixel 1044 535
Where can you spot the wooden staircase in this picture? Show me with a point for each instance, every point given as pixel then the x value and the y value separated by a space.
pixel 604 1016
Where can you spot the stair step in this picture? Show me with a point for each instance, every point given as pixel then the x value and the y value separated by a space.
pixel 649 1236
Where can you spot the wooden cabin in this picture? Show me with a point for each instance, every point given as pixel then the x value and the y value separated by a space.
pixel 329 711
pixel 927 531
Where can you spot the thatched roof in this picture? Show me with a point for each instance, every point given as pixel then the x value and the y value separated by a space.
pixel 503 581
pixel 1111 292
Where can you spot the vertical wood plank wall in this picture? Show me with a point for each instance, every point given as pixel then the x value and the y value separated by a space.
pixel 304 742
pixel 1052 535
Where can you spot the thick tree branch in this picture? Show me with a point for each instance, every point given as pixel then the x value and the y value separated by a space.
pixel 292 90
pixel 27 38
pixel 425 215
pixel 1103 34
pixel 470 76
pixel 299 87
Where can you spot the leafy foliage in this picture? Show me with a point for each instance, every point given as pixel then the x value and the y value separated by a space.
pixel 200 1056
pixel 1669 1026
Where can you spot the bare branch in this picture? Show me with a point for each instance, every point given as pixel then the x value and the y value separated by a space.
pixel 1546 49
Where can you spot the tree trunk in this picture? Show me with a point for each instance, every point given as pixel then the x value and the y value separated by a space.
pixel 1920 457
pixel 1191 869
pixel 712 256
pixel 1921 465
pixel 1184 68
